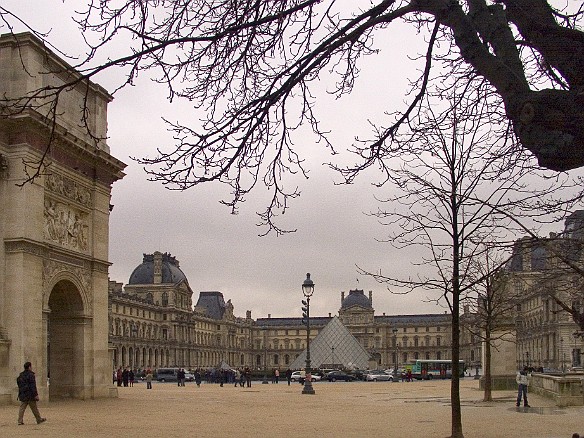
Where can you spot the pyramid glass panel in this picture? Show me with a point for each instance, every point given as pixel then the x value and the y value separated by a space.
pixel 334 345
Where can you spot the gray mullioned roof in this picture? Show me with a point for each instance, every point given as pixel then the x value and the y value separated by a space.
pixel 213 302
pixel 429 318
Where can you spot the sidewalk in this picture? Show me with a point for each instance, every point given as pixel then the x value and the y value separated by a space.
pixel 358 409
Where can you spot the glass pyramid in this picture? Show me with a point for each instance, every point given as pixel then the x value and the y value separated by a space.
pixel 334 347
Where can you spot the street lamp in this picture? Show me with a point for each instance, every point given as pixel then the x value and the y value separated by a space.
pixel 307 291
pixel 395 379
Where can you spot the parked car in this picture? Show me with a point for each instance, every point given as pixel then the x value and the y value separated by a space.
pixel 359 374
pixel 333 376
pixel 378 376
pixel 166 374
pixel 296 376
pixel 316 376
pixel 189 377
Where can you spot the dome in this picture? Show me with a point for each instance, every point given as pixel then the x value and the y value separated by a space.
pixel 169 269
pixel 356 298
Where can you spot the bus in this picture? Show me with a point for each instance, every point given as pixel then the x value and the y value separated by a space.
pixel 435 369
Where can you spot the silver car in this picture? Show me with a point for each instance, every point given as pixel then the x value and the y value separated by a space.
pixel 377 375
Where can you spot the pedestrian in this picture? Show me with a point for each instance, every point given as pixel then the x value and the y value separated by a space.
pixel 28 394
pixel 131 376
pixel 198 378
pixel 237 377
pixel 247 373
pixel 149 378
pixel 522 380
pixel 181 377
pixel 289 376
pixel 119 376
pixel 277 375
pixel 125 376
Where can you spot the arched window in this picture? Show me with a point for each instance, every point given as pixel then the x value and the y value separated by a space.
pixel 439 355
pixel 242 360
pixel 287 359
pixel 165 299
pixel 276 359
pixel 259 360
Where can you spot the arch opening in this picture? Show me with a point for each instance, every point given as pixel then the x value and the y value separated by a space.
pixel 66 352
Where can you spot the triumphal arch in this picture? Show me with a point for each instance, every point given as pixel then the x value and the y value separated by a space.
pixel 54 225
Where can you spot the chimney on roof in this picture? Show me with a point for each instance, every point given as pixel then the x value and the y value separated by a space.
pixel 248 314
pixel 157 267
pixel 330 314
pixel 342 297
pixel 269 315
pixel 371 297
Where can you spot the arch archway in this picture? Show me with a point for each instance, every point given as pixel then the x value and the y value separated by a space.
pixel 66 340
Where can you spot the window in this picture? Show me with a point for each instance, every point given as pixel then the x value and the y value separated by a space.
pixel 164 299
pixel 439 356
pixel 438 342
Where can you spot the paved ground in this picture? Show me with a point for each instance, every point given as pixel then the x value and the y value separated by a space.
pixel 358 409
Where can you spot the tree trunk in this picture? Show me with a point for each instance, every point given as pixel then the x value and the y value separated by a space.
pixel 455 384
pixel 488 396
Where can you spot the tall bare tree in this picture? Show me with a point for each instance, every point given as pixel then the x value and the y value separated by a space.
pixel 459 181
pixel 252 66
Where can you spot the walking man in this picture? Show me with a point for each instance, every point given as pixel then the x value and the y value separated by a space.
pixel 522 380
pixel 28 394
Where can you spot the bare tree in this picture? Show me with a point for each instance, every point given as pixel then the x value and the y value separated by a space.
pixel 494 303
pixel 252 67
pixel 460 180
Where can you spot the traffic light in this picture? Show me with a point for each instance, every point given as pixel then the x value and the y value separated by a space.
pixel 305 312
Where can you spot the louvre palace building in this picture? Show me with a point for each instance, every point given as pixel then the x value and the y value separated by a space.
pixel 153 323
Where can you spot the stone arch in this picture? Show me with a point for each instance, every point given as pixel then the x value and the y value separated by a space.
pixel 68 330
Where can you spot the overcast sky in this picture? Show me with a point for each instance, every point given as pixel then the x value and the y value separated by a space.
pixel 219 251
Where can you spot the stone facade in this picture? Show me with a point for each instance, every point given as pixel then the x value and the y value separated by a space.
pixel 152 325
pixel 546 335
pixel 54 227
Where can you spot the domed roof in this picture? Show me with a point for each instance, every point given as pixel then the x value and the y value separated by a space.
pixel 356 298
pixel 169 268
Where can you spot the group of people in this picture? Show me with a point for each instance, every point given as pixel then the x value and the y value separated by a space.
pixel 124 376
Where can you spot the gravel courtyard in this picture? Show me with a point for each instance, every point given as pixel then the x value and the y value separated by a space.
pixel 356 409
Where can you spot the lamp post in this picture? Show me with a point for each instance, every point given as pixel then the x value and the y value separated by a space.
pixel 307 291
pixel 395 379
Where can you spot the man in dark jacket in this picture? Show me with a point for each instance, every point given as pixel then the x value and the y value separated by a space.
pixel 28 394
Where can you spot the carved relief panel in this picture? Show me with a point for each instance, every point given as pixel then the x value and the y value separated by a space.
pixel 66 213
